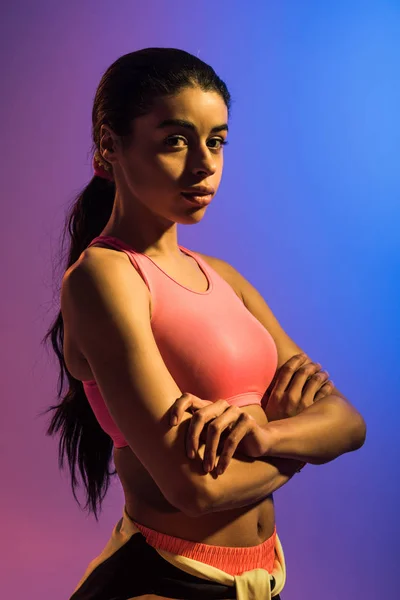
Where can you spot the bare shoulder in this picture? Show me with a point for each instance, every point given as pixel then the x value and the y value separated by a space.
pixel 108 269
pixel 100 284
pixel 96 257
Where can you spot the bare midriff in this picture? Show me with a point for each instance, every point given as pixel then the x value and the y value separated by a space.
pixel 246 526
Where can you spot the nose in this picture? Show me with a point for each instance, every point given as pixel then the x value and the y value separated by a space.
pixel 204 163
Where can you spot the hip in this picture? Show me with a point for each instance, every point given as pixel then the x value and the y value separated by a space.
pixel 129 567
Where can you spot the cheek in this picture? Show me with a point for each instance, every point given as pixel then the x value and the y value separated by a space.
pixel 170 167
pixel 154 179
pixel 144 173
pixel 158 170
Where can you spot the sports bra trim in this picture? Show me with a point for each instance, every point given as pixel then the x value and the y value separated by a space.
pixel 198 260
pixel 239 399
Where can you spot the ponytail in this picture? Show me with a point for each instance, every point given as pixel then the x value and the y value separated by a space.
pixel 82 440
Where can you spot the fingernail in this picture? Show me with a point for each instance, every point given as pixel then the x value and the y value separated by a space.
pixel 191 454
pixel 174 420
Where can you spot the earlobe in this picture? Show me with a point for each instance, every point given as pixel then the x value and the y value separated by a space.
pixel 107 144
pixel 107 150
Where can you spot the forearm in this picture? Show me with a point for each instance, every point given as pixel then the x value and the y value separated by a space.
pixel 319 434
pixel 246 481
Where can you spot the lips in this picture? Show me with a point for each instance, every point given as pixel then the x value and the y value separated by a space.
pixel 200 200
pixel 199 190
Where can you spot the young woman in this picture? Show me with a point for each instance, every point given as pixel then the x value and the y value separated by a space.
pixel 149 330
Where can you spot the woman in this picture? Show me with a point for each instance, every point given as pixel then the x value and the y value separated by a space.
pixel 149 330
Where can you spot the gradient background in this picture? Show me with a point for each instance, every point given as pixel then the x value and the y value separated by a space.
pixel 308 211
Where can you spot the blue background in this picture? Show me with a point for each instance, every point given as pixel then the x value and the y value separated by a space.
pixel 308 210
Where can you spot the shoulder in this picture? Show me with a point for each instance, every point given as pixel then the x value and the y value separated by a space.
pixel 100 283
pixel 95 258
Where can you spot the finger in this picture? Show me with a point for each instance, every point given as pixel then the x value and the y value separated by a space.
pixel 286 372
pixel 312 387
pixel 199 420
pixel 294 394
pixel 303 375
pixel 326 390
pixel 179 407
pixel 184 403
pixel 224 422
pixel 277 389
pixel 243 427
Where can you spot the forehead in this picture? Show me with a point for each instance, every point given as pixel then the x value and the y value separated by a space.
pixel 204 109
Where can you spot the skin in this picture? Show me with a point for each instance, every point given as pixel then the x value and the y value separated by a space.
pixel 150 175
pixel 159 164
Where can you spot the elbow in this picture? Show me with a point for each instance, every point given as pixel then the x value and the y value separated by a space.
pixel 354 439
pixel 359 432
pixel 353 423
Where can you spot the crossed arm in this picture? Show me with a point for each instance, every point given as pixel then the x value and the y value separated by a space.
pixel 321 432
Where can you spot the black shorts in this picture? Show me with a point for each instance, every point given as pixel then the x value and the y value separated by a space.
pixel 136 568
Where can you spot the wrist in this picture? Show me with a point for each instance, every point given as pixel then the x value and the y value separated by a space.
pixel 277 441
pixel 273 437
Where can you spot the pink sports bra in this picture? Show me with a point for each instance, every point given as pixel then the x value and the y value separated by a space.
pixel 210 342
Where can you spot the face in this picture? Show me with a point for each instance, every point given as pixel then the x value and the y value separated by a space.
pixel 175 147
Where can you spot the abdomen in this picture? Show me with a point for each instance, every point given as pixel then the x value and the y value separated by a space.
pixel 246 526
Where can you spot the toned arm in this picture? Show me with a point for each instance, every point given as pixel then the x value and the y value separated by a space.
pixel 246 481
pixel 106 305
pixel 324 430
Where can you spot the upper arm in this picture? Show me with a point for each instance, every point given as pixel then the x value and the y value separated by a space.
pixel 255 303
pixel 107 307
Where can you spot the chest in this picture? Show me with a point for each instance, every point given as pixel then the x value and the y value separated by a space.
pixel 185 272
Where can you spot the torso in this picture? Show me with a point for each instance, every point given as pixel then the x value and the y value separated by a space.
pixel 247 526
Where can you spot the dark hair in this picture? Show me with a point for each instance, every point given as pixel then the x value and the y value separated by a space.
pixel 127 90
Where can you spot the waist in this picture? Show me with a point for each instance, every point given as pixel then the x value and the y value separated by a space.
pixel 233 560
pixel 245 526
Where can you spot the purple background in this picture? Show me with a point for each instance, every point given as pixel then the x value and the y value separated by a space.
pixel 308 210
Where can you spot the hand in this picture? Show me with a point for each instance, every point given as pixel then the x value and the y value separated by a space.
pixel 222 418
pixel 297 384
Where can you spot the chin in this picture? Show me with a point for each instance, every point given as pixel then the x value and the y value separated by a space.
pixel 189 219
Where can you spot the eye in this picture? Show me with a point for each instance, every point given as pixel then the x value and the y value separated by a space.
pixel 173 140
pixel 170 141
pixel 221 141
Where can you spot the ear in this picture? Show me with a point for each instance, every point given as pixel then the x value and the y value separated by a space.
pixel 109 144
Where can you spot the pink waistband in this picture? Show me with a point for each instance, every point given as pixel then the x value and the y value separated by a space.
pixel 232 560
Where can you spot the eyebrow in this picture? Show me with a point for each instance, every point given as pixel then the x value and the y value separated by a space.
pixel 189 125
